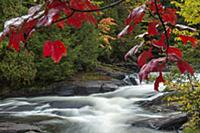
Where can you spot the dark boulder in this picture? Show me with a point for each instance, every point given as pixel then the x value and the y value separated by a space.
pixel 87 87
pixel 159 104
pixel 172 122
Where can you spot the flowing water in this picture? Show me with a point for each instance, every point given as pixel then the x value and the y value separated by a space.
pixel 110 112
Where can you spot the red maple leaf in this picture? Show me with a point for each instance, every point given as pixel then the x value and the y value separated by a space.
pixel 169 15
pixel 155 65
pixel 151 5
pixel 55 49
pixel 185 39
pixel 159 80
pixel 28 28
pixel 175 51
pixel 144 56
pixel 15 39
pixel 78 18
pixel 160 43
pixel 185 67
pixel 152 28
pixel 29 25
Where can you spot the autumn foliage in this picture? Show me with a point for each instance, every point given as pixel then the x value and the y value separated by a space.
pixel 76 12
pixel 164 18
pixel 20 29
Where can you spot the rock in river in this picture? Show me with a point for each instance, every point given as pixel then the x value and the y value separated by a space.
pixel 9 127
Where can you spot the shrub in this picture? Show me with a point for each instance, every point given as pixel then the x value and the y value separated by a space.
pixel 188 98
pixel 82 53
pixel 86 47
pixel 10 9
pixel 47 70
pixel 17 69
pixel 191 130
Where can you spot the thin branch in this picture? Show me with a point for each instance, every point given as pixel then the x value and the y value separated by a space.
pixel 167 39
pixel 163 24
pixel 99 9
pixel 93 10
pixel 71 14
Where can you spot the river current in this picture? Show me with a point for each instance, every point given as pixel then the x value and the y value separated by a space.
pixel 111 112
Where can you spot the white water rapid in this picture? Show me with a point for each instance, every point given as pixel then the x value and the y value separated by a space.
pixel 110 112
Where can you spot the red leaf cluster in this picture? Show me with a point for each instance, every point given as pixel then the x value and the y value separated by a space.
pixel 152 7
pixel 168 14
pixel 20 29
pixel 173 54
pixel 80 17
pixel 75 9
pixel 55 49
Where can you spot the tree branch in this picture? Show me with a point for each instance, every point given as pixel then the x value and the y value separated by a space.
pixel 99 9
pixel 94 10
pixel 61 19
pixel 163 24
pixel 167 41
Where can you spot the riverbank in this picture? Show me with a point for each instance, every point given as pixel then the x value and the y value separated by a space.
pixel 104 78
pixel 107 95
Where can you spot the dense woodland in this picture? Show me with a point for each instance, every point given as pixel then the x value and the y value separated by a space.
pixel 97 45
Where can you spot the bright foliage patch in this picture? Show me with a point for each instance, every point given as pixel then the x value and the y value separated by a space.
pixel 165 18
pixel 21 28
pixel 189 9
pixel 76 12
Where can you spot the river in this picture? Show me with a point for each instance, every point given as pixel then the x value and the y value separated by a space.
pixel 111 112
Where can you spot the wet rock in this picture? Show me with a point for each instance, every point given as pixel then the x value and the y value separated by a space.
pixel 9 127
pixel 172 122
pixel 111 73
pixel 69 88
pixel 159 104
pixel 87 87
pixel 131 80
